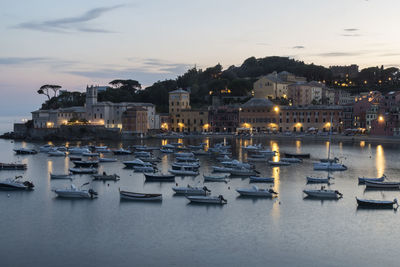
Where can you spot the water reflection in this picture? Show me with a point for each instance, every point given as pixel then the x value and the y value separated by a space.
pixel 298 146
pixel 275 147
pixel 362 144
pixel 380 161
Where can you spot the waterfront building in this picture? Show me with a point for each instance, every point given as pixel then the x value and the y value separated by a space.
pixel 223 118
pixel 259 115
pixel 310 118
pixel 371 115
pixel 387 124
pixel 134 120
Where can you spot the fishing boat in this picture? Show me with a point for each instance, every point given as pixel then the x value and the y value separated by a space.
pixel 318 180
pixel 362 180
pixel 370 203
pixel 136 162
pixel 278 163
pixel 82 170
pixel 292 160
pixel 121 151
pixel 13 166
pixel 242 172
pixel 86 163
pixel 25 151
pixel 16 184
pixel 207 199
pixel 45 148
pixel 56 153
pixel 382 185
pixel 90 154
pixel 159 177
pixel 323 193
pixel 254 191
pixel 213 178
pixel 167 150
pixel 144 169
pixel 60 176
pixel 191 191
pixel 139 196
pixel 184 170
pixel 257 179
pixel 298 155
pixel 221 169
pixel 107 160
pixel 105 177
pixel 74 192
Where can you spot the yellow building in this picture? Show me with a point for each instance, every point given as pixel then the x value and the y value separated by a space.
pixel 270 86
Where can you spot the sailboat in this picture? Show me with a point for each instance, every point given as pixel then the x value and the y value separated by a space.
pixel 329 165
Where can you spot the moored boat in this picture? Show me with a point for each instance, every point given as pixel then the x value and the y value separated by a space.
pixel 25 151
pixel 256 179
pixel 82 170
pixel 254 191
pixel 159 177
pixel 242 172
pixel 213 178
pixel 292 160
pixel 136 162
pixel 382 185
pixel 60 176
pixel 144 169
pixel 207 199
pixel 16 184
pixel 139 196
pixel 362 180
pixel 107 160
pixel 318 180
pixel 190 190
pixel 56 153
pixel 13 166
pixel 121 151
pixel 184 170
pixel 105 177
pixel 74 192
pixel 298 155
pixel 86 163
pixel 370 203
pixel 329 166
pixel 323 193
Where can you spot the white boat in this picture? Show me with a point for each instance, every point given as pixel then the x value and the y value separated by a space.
pixel 142 154
pixel 45 148
pixel 60 176
pixel 78 150
pixel 362 180
pixel 143 169
pixel 190 164
pixel 160 177
pixel 370 203
pixel 323 193
pixel 213 178
pixel 107 160
pixel 329 166
pixel 186 160
pixel 184 170
pixel 292 160
pixel 208 199
pixel 90 154
pixel 103 150
pixel 25 151
pixel 61 148
pixel 121 151
pixel 318 180
pixel 382 185
pixel 56 153
pixel 254 191
pixel 190 191
pixel 139 196
pixel 251 159
pixel 242 172
pixel 82 170
pixel 74 192
pixel 236 164
pixel 256 179
pixel 252 147
pixel 136 162
pixel 278 163
pixel 184 154
pixel 16 184
pixel 166 150
pixel 86 163
pixel 221 169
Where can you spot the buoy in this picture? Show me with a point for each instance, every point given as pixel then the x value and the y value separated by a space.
pixel 229 188
pixel 8 195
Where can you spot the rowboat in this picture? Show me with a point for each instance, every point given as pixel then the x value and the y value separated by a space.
pixel 298 155
pixel 107 160
pixel 382 185
pixel 25 151
pixel 207 199
pixel 190 191
pixel 159 177
pixel 362 180
pixel 242 172
pixel 139 196
pixel 323 193
pixel 105 177
pixel 60 176
pixel 56 153
pixel 82 170
pixel 318 180
pixel 292 160
pixel 74 192
pixel 13 166
pixel 278 163
pixel 212 178
pixel 256 179
pixel 221 169
pixel 370 203
pixel 254 191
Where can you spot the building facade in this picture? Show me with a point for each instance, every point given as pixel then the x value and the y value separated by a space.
pixel 303 94
pixel 134 120
pixel 223 119
pixel 259 115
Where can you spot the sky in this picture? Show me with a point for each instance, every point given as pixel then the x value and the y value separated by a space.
pixel 74 43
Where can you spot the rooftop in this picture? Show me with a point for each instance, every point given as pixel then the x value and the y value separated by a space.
pixel 258 102
pixel 179 91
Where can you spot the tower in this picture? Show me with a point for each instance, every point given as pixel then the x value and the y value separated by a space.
pixel 178 100
pixel 91 100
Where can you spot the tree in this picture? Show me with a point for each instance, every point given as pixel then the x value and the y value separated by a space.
pixel 45 90
pixel 126 84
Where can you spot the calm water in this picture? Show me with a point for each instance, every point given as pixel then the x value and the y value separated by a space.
pixel 39 229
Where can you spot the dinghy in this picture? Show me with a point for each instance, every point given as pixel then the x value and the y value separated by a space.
pixel 382 185
pixel 190 191
pixel 159 177
pixel 16 184
pixel 370 203
pixel 139 196
pixel 362 180
pixel 74 192
pixel 207 199
pixel 323 193
pixel 212 178
pixel 254 191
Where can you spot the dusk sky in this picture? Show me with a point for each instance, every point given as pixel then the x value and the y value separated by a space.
pixel 74 43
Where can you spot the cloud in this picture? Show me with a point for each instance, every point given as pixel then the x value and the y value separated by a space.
pixel 263 44
pixel 21 60
pixel 70 24
pixel 298 47
pixel 340 54
pixel 351 30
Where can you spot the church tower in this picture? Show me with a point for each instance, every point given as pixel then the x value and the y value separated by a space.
pixel 91 100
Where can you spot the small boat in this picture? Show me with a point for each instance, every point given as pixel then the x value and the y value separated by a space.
pixel 13 166
pixel 78 150
pixel 254 191
pixel 298 155
pixel 256 179
pixel 252 159
pixel 74 192
pixel 107 160
pixel 278 163
pixel 143 169
pixel 144 148
pixel 318 180
pixel 362 180
pixel 159 177
pixel 382 185
pixel 329 166
pixel 56 153
pixel 221 169
pixel 45 148
pixel 196 146
pixel 142 154
pixel 150 159
pixel 323 193
pixel 16 184
pixel 121 151
pixel 168 146
pixel 102 150
pixel 190 164
pixel 61 148
pixel 336 160
pixel 105 177
pixel 136 162
pixel 191 191
pixel 292 160
pixel 166 150
pixel 252 147
pixel 187 160
pixel 268 153
pixel 60 176
pixel 208 199
pixel 242 172
pixel 236 164
pixel 184 170
pixel 86 163
pixel 370 203
pixel 139 196
pixel 82 170
pixel 184 155
pixel 201 152
pixel 71 158
pixel 90 154
pixel 212 178
pixel 25 151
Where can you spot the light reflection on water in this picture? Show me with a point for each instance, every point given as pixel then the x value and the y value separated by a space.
pixel 380 161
